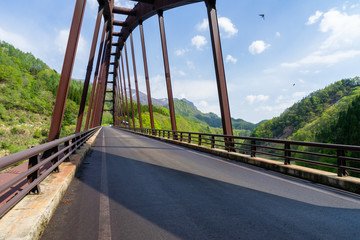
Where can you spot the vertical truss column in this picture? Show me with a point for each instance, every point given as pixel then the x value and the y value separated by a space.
pixel 94 86
pixel 136 81
pixel 100 89
pixel 89 71
pixel 66 71
pixel 105 79
pixel 146 76
pixel 128 73
pixel 167 71
pixel 121 93
pixel 219 67
pixel 126 101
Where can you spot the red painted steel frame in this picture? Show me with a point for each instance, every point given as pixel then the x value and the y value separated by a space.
pixel 66 71
pixel 94 87
pixel 89 70
pixel 167 71
pixel 146 75
pixel 136 81
pixel 128 73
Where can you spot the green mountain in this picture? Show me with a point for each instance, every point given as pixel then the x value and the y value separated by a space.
pixel 314 114
pixel 27 95
pixel 188 110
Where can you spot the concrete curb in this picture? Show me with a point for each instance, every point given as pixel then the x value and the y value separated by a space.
pixel 29 218
pixel 350 184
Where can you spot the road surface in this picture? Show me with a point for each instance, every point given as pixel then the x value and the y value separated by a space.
pixel 133 187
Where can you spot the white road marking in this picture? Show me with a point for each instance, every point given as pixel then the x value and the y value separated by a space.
pixel 104 214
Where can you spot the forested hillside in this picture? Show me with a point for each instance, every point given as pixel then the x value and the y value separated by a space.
pixel 312 115
pixel 27 94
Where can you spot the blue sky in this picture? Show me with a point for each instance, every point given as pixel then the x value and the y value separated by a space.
pixel 300 47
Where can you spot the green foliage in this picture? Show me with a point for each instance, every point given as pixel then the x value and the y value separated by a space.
pixel 311 112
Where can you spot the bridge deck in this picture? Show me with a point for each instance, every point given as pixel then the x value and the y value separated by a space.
pixel 133 187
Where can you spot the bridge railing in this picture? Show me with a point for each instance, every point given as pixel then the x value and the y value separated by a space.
pixel 342 158
pixel 42 160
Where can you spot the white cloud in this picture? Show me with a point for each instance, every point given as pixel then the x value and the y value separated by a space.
pixel 181 52
pixel 199 41
pixel 204 25
pixel 124 3
pixel 227 26
pixel 190 64
pixel 93 4
pixel 17 40
pixel 298 95
pixel 230 58
pixel 314 18
pixel 342 42
pixel 62 39
pixel 256 98
pixel 344 29
pixel 258 47
pixel 277 34
pixel 322 58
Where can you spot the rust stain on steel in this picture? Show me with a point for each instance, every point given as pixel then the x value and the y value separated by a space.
pixel 66 71
pixel 167 71
pixel 146 75
pixel 90 108
pixel 136 81
pixel 88 72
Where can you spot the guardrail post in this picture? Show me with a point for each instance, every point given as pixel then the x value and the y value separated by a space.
pixel 189 138
pixel 66 144
pixel 168 134
pixel 181 137
pixel 199 139
pixel 32 177
pixel 341 162
pixel 253 148
pixel 287 154
pixel 56 159
pixel 212 141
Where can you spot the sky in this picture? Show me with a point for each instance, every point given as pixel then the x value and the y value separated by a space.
pixel 300 46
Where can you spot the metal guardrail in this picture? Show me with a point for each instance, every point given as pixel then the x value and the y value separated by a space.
pixel 52 153
pixel 333 156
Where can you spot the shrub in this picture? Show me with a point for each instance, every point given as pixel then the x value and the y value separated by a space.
pixel 22 119
pixel 37 133
pixel 17 130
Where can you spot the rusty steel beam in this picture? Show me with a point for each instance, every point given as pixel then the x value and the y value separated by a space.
pixel 105 76
pixel 121 93
pixel 146 76
pixel 146 9
pixel 89 71
pixel 167 71
pixel 123 72
pixel 219 68
pixel 66 71
pixel 136 81
pixel 100 90
pixel 123 11
pixel 119 23
pixel 90 108
pixel 128 74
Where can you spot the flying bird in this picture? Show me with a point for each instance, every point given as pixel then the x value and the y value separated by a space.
pixel 294 84
pixel 262 15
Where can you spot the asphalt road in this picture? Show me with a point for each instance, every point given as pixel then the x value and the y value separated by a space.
pixel 133 187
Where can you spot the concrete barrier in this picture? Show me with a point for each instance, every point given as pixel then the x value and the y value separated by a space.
pixel 29 218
